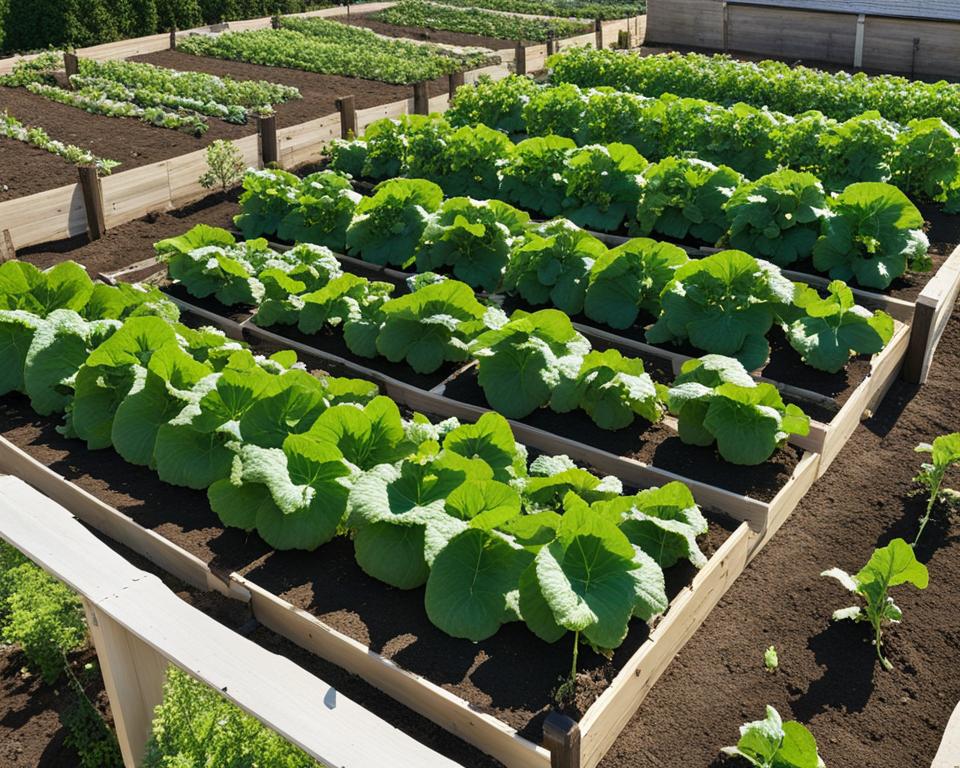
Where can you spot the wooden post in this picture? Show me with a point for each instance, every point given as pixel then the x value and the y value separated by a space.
pixel 71 65
pixel 455 80
pixel 561 735
pixel 551 44
pixel 421 99
pixel 173 38
pixel 348 116
pixel 269 150
pixel 916 356
pixel 275 21
pixel 92 201
pixel 598 25
pixel 520 59
pixel 7 251
pixel 913 56
pixel 623 39
pixel 133 675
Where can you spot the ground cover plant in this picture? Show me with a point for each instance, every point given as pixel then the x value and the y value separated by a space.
pixel 327 47
pixel 777 85
pixel 922 157
pixel 12 128
pixel 473 20
pixel 567 8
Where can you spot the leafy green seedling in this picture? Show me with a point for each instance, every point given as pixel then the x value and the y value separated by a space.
pixel 770 659
pixel 944 453
pixel 225 166
pixel 772 743
pixel 888 566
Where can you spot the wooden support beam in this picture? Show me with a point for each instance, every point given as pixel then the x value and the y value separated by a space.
pixel 133 675
pixel 71 65
pixel 455 80
pixel 347 106
pixel 7 251
pixel 598 26
pixel 421 99
pixel 92 201
pixel 269 149
pixel 561 735
pixel 551 44
pixel 913 362
pixel 623 39
pixel 520 59
pixel 173 39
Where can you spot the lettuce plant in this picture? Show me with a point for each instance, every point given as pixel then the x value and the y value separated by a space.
pixel 323 209
pixel 829 330
pixel 556 111
pixel 777 217
pixel 772 743
pixel 609 117
pixel 926 164
pixel 433 325
pixel 944 453
pixel 473 238
pixel 532 178
pixel 387 226
pixel 716 400
pixel 283 286
pixel 524 360
pixel 684 196
pixel 552 266
pixel 497 103
pixel 874 235
pixel 889 566
pixel 267 197
pixel 724 304
pixel 465 162
pixel 612 389
pixel 857 150
pixel 386 145
pixel 603 185
pixel 630 278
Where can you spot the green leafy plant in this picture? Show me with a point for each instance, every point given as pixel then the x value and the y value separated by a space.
pixel 724 304
pixel 524 360
pixel 268 195
pixel 716 400
pixel 874 236
pixel 603 185
pixel 473 238
pixel 772 743
pixel 629 279
pixel 322 212
pixel 829 330
pixel 530 179
pixel 944 453
pixel 225 166
pixel 777 217
pixel 682 196
pixel 889 566
pixel 771 660
pixel 857 150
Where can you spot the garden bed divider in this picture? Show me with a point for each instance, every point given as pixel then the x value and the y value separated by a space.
pixel 933 309
pixel 140 627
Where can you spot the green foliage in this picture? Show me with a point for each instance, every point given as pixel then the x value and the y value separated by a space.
pixel 724 304
pixel 716 400
pixel 771 661
pixel 772 743
pixel 874 235
pixel 195 727
pixel 926 164
pixel 324 207
pixel 858 149
pixel 603 185
pixel 829 330
pixel 682 196
pixel 426 15
pixel 602 9
pixel 39 614
pixel 777 217
pixel 36 136
pixel 225 165
pixel 86 732
pixel 944 453
pixel 889 566
pixel 498 104
pixel 529 176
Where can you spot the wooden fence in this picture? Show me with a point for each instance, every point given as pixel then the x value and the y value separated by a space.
pixel 139 628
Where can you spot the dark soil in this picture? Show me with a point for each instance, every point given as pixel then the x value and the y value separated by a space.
pixel 654 444
pixel 429 35
pixel 25 169
pixel 238 314
pixel 829 678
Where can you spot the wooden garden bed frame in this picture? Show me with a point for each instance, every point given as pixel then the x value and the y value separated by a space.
pixel 140 627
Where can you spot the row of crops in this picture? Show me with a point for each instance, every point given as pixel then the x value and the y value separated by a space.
pixel 155 95
pixel 596 9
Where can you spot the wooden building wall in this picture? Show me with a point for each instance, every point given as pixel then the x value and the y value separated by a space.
pixel 698 23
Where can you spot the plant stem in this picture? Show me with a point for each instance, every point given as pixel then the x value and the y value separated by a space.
pixel 879 644
pixel 576 650
pixel 934 494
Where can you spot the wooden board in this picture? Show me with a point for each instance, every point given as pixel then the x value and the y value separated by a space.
pixel 948 755
pixel 51 215
pixel 933 310
pixel 129 607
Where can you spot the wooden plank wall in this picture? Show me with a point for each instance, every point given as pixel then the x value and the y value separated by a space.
pixel 685 22
pixel 45 216
pixel 791 34
pixel 888 45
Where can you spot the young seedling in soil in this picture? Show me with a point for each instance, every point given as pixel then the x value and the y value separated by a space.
pixel 944 453
pixel 770 659
pixel 225 166
pixel 772 743
pixel 889 566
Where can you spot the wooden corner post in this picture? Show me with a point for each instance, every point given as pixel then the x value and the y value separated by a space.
pixel 561 735
pixel 173 38
pixel 421 99
pixel 71 65
pixel 455 80
pixel 269 150
pixel 347 106
pixel 520 59
pixel 551 44
pixel 133 676
pixel 598 26
pixel 92 201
